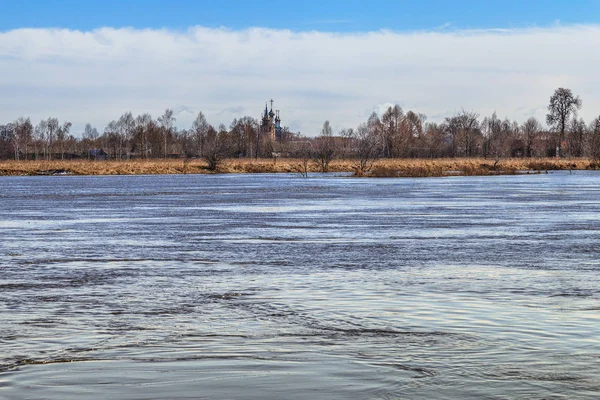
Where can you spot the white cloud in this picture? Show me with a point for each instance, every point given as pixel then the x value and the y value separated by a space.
pixel 95 76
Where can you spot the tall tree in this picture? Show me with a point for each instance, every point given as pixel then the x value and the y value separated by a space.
pixel 365 149
pixel 199 131
pixel 576 137
pixel 376 128
pixel 7 141
pixel 61 134
pixel 51 129
pixel 143 128
pixel 215 147
pixel 530 132
pixel 463 129
pixel 125 128
pixel 324 149
pixel 391 120
pixel 112 138
pixel 40 137
pixel 594 142
pixel 167 120
pixel 563 105
pixel 24 135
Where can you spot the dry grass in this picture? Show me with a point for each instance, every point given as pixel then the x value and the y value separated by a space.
pixel 86 167
pixel 472 166
pixel 382 168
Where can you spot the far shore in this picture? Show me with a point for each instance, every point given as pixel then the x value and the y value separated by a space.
pixel 380 168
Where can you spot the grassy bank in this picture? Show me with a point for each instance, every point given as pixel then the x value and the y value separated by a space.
pixel 382 168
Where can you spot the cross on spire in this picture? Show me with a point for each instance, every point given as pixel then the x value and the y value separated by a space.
pixel 271 104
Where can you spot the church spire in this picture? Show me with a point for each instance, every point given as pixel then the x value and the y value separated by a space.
pixel 271 113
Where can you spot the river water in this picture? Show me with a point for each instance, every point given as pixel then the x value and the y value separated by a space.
pixel 277 286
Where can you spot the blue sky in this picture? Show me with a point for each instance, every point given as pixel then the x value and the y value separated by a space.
pixel 91 61
pixel 298 15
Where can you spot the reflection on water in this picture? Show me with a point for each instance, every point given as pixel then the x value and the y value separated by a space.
pixel 275 286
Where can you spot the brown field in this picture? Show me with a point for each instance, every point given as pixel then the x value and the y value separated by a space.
pixel 381 168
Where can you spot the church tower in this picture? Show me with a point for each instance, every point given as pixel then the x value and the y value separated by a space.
pixel 270 126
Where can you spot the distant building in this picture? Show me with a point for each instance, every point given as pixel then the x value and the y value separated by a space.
pixel 98 154
pixel 270 126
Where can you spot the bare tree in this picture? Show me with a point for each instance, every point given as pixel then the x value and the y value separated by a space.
pixel 112 138
pixel 412 134
pixel 347 137
pixel 376 128
pixel 215 149
pixel 464 132
pixel 125 128
pixel 530 132
pixel 563 105
pixel 52 126
pixel 390 127
pixel 305 155
pixel 242 134
pixel 90 136
pixel 434 139
pixel 594 142
pixel 166 123
pixel 61 134
pixel 40 137
pixel 324 149
pixel 143 132
pixel 365 149
pixel 576 137
pixel 24 135
pixel 491 129
pixel 7 141
pixel 199 131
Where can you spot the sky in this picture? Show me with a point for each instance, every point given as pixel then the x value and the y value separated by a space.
pixel 91 61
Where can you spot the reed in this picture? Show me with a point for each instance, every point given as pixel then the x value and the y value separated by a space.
pixel 381 168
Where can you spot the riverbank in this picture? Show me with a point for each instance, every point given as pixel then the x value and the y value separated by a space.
pixel 381 168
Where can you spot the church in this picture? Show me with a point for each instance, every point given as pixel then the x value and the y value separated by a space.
pixel 270 126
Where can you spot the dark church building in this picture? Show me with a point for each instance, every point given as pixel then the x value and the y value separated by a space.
pixel 270 125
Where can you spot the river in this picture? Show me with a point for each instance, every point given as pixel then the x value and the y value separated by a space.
pixel 278 286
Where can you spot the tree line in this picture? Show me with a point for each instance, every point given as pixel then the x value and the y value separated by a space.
pixel 393 134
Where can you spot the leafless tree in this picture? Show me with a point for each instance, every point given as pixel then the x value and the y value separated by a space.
pixel 434 140
pixel 365 149
pixel 24 135
pixel 324 147
pixel 166 123
pixel 61 135
pixel 563 105
pixel 52 126
pixel 7 141
pixel 463 130
pixel 491 129
pixel 145 136
pixel 412 134
pixel 576 137
pixel 215 149
pixel 594 142
pixel 346 140
pixel 112 138
pixel 305 154
pixel 391 121
pixel 125 129
pixel 199 131
pixel 530 132
pixel 40 137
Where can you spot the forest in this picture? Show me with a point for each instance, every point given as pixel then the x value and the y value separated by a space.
pixel 394 134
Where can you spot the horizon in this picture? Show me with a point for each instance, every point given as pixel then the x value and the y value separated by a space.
pixel 227 62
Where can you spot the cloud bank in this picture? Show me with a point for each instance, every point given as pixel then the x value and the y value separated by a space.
pixel 95 76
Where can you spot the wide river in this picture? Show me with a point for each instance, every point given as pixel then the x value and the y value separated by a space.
pixel 283 287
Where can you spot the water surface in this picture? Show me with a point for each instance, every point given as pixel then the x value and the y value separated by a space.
pixel 276 286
